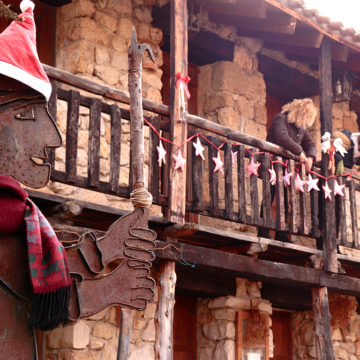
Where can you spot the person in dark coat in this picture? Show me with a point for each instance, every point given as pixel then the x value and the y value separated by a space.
pixel 289 129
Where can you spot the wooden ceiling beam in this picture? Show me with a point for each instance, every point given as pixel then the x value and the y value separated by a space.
pixel 302 37
pixel 274 22
pixel 246 8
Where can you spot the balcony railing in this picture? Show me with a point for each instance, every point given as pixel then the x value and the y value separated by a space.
pixel 232 196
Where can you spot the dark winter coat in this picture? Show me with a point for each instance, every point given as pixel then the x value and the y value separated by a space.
pixel 290 137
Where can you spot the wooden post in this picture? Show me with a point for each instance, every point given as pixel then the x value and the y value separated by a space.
pixel 127 316
pixel 177 179
pixel 328 209
pixel 324 347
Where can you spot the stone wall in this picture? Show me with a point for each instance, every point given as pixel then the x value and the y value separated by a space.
pixel 216 320
pixel 345 330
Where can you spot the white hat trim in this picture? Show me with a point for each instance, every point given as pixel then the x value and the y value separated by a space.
pixel 35 83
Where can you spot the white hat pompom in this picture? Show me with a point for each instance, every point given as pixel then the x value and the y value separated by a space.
pixel 25 4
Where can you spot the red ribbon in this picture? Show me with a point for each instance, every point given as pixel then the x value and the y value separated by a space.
pixel 183 80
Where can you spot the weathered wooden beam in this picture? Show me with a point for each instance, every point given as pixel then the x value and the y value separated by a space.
pixel 302 37
pixel 323 341
pixel 260 269
pixel 127 317
pixel 328 209
pixel 274 22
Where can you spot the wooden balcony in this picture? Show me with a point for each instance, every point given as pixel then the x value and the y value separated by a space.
pixel 232 197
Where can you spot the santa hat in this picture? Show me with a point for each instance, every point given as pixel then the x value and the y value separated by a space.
pixel 18 55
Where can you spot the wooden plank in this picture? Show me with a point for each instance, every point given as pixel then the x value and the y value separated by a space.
pixel 254 195
pixel 266 192
pixel 323 341
pixel 274 22
pixel 154 173
pixel 115 148
pixel 229 197
pixel 292 199
pixel 314 201
pixel 260 269
pixel 127 317
pixel 241 183
pixel 353 211
pixel 328 211
pixel 197 180
pixel 52 105
pixel 280 199
pixel 304 205
pixel 341 216
pixel 178 127
pixel 72 136
pixel 94 143
pixel 213 182
pixel 247 8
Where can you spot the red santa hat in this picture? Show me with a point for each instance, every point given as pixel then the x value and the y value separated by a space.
pixel 18 54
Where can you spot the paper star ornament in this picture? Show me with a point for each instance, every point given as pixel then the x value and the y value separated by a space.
pixel 312 184
pixel 161 152
pixel 338 189
pixel 252 168
pixel 287 178
pixel 272 176
pixel 338 144
pixel 199 149
pixel 327 191
pixel 325 142
pixel 218 164
pixel 299 184
pixel 233 157
pixel 179 161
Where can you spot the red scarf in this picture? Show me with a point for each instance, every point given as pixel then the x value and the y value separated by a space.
pixel 47 260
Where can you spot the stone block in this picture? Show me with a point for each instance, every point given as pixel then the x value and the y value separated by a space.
pixel 123 7
pixel 75 336
pixel 103 330
pixel 107 73
pixel 156 35
pixel 219 330
pixel 228 117
pixel 350 121
pixel 109 352
pixel 219 99
pixel 241 287
pixel 225 314
pixel 150 311
pixel 225 350
pixel 153 78
pixel 78 355
pixel 265 306
pixel 349 347
pixel 245 108
pixel 102 55
pixel 143 14
pixel 82 8
pixel 96 344
pixel 254 290
pixel 120 60
pixel 124 28
pixel 99 316
pixel 206 353
pixel 104 149
pixel 336 334
pixel 78 57
pixel 88 29
pixel 144 352
pixel 260 115
pixel 142 32
pixel 243 58
pixel 255 129
pixel 340 353
pixel 149 332
pixel 108 22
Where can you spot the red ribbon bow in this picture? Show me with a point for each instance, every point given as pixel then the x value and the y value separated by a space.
pixel 183 80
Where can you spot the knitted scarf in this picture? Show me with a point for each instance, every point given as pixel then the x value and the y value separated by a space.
pixel 47 260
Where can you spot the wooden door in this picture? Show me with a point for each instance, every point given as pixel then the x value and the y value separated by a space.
pixel 185 328
pixel 45 19
pixel 281 327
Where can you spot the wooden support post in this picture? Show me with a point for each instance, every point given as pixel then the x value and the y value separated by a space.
pixel 127 316
pixel 177 178
pixel 328 210
pixel 324 348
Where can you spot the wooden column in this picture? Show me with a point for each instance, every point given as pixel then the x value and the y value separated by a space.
pixel 323 341
pixel 324 347
pixel 177 179
pixel 328 208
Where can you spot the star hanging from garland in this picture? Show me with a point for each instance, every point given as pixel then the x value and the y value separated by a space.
pixel 312 184
pixel 162 154
pixel 218 164
pixel 338 189
pixel 179 161
pixel 233 157
pixel 199 149
pixel 252 168
pixel 272 176
pixel 299 184
pixel 327 191
pixel 287 178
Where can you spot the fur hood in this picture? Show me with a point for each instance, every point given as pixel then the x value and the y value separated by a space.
pixel 301 112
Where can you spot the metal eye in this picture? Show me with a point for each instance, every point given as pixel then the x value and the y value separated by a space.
pixel 26 115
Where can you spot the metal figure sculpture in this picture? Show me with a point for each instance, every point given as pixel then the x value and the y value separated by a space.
pixel 120 260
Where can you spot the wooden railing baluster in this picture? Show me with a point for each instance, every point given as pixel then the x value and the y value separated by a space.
pixel 292 199
pixel 213 182
pixel 303 205
pixel 341 216
pixel 154 180
pixel 280 198
pixel 241 183
pixel 266 191
pixel 254 217
pixel 72 135
pixel 52 106
pixel 115 148
pixel 354 226
pixel 229 197
pixel 314 199
pixel 94 143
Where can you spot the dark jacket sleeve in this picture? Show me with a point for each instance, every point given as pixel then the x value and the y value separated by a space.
pixel 280 134
pixel 308 145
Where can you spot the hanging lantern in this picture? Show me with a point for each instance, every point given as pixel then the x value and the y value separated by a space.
pixel 342 86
